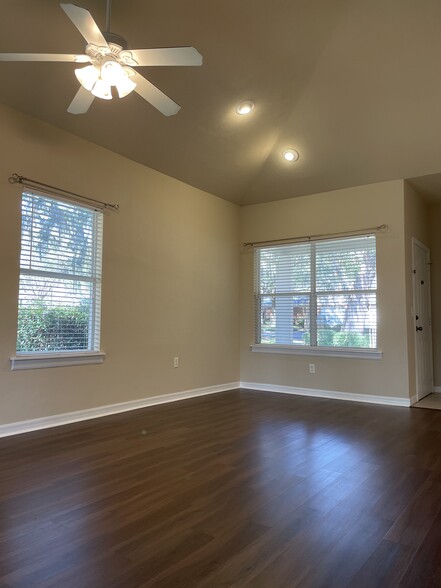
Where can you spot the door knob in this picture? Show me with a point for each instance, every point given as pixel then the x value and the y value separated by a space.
pixel 419 328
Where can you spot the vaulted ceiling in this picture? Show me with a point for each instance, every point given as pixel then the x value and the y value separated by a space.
pixel 353 85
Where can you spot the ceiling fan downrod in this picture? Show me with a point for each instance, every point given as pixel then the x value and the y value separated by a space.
pixel 108 15
pixel 107 34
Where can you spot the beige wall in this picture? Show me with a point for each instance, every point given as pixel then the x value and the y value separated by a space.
pixel 340 210
pixel 416 225
pixel 171 280
pixel 170 277
pixel 435 256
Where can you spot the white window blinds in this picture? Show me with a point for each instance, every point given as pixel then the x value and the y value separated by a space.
pixel 317 294
pixel 60 276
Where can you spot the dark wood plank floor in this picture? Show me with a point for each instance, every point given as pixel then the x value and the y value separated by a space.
pixel 243 489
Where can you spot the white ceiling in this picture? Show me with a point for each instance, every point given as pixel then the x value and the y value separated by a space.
pixel 353 85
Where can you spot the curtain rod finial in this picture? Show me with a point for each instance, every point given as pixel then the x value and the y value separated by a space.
pixel 15 179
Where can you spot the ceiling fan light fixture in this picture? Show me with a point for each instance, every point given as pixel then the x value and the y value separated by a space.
pixel 291 155
pixel 102 89
pixel 245 107
pixel 124 86
pixel 116 75
pixel 87 76
pixel 111 72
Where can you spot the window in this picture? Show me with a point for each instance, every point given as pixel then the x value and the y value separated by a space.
pixel 319 294
pixel 60 277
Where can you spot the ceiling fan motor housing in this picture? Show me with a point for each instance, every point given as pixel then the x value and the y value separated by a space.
pixel 116 39
pixel 113 52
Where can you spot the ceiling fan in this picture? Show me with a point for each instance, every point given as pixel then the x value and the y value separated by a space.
pixel 112 63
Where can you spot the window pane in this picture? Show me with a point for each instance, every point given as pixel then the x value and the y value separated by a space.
pixel 346 264
pixel 268 319
pixel 347 320
pixel 285 320
pixel 54 315
pixel 285 269
pixel 56 236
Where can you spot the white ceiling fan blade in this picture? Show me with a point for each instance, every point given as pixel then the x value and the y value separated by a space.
pixel 81 102
pixel 167 56
pixel 44 57
pixel 154 95
pixel 84 22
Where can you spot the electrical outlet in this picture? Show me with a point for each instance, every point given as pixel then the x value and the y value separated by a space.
pixel 176 362
pixel 312 368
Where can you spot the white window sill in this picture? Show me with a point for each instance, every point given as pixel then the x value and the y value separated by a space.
pixel 318 351
pixel 30 361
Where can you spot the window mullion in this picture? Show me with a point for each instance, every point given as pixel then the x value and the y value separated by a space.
pixel 313 299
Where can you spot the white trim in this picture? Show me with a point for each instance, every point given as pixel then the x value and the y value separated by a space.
pixel 390 400
pixel 101 411
pixel 28 361
pixel 413 400
pixel 317 351
pixel 437 389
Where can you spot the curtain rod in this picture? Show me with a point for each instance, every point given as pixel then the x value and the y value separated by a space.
pixel 317 237
pixel 29 183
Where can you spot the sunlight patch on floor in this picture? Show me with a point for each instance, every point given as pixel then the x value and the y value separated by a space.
pixel 431 401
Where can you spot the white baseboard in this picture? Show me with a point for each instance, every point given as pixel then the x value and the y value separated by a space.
pixel 437 389
pixel 390 400
pixel 101 411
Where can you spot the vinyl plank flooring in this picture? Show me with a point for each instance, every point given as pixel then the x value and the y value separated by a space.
pixel 241 489
pixel 384 567
pixel 424 570
pixel 414 522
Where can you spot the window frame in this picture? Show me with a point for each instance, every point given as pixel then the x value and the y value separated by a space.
pixel 311 349
pixel 23 360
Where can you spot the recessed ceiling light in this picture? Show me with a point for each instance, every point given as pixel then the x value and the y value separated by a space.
pixel 291 155
pixel 245 107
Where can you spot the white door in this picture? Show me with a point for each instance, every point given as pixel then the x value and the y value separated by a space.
pixel 422 319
